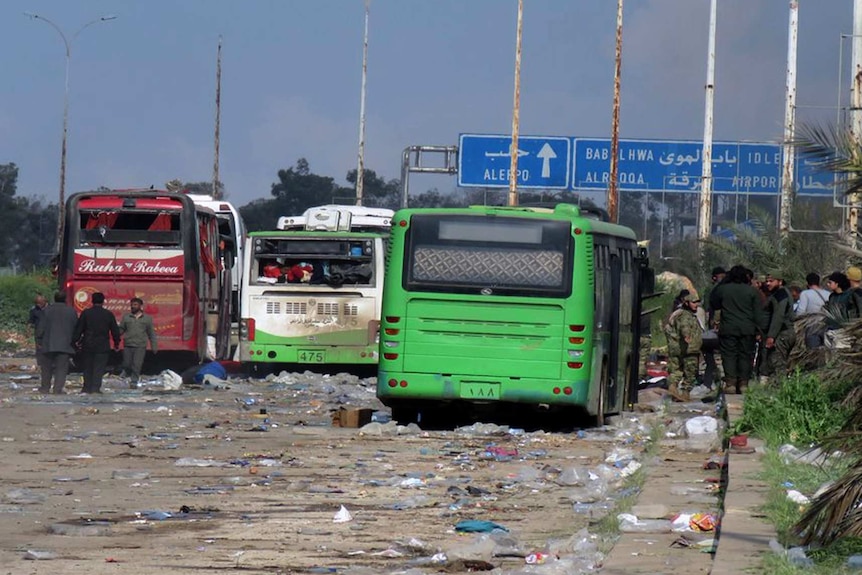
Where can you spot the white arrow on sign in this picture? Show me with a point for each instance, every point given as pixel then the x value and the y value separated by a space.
pixel 547 154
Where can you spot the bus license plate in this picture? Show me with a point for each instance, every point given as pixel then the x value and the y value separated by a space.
pixel 480 391
pixel 309 356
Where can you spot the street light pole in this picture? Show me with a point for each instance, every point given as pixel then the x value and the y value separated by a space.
pixel 62 200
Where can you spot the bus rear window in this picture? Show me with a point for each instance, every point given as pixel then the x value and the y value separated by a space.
pixel 506 256
pixel 348 261
pixel 145 228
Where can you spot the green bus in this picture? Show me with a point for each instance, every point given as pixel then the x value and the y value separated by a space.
pixel 515 306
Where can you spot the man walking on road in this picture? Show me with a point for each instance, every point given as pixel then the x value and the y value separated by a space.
pixel 137 329
pixel 96 325
pixel 55 332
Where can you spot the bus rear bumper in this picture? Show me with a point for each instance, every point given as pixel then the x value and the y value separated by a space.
pixel 401 386
pixel 279 353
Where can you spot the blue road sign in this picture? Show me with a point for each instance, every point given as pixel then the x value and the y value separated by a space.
pixel 675 166
pixel 543 162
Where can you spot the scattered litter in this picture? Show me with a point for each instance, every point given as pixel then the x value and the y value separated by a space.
pixel 193 462
pixel 797 497
pixel 36 555
pixel 342 516
pixel 171 380
pixel 23 497
pixel 478 526
pixel 702 522
pixel 629 523
pixel 154 515
pixel 536 558
pixel 130 474
pixel 83 529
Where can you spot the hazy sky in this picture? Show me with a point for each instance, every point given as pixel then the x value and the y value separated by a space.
pixel 142 86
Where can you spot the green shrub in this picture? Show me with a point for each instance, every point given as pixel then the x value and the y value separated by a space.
pixel 799 410
pixel 16 298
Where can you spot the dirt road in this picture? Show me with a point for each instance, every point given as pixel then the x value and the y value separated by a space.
pixel 251 477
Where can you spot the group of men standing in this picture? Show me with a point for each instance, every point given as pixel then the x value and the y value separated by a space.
pixel 754 321
pixel 60 333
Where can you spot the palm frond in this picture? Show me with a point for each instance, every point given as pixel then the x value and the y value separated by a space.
pixel 835 513
pixel 829 149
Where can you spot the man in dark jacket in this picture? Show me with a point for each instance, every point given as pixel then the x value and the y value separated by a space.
pixel 96 325
pixel 778 326
pixel 55 332
pixel 738 327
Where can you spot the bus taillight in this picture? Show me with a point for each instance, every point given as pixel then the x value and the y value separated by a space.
pixel 393 383
pixel 246 329
pixel 390 356
pixel 567 390
pixel 576 340
pixel 392 319
pixel 391 331
pixel 577 327
pixel 575 364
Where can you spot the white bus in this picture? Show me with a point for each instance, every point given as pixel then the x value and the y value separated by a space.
pixel 233 235
pixel 313 288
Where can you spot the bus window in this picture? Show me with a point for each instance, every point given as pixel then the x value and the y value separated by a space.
pixel 511 256
pixel 100 228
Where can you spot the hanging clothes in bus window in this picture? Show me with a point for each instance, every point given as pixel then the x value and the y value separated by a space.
pixel 107 219
pixel 162 223
pixel 206 250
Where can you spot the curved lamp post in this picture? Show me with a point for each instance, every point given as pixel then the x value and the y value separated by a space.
pixel 62 207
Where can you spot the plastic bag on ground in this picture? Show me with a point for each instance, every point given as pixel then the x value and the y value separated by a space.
pixel 631 524
pixel 171 379
pixel 342 516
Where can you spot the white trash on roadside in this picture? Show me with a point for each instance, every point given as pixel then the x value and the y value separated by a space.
pixel 171 379
pixel 797 497
pixel 342 516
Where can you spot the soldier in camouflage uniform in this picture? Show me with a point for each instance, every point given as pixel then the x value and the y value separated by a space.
pixel 684 336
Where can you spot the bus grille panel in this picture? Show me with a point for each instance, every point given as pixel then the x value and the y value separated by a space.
pixel 295 308
pixel 489 266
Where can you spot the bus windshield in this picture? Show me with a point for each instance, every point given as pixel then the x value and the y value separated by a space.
pixel 506 256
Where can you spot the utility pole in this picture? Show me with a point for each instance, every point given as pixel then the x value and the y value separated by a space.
pixel 613 186
pixel 516 118
pixel 61 207
pixel 705 216
pixel 788 176
pixel 216 192
pixel 360 170
pixel 856 118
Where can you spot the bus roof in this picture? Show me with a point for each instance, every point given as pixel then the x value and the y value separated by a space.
pixel 337 218
pixel 562 211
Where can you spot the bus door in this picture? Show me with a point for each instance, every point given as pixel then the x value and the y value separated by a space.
pixel 611 393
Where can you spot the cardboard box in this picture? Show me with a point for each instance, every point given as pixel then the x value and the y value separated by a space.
pixel 352 417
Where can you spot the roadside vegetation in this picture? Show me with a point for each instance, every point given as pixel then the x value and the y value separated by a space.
pixel 16 299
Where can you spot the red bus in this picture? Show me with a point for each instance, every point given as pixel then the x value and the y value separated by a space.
pixel 160 247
